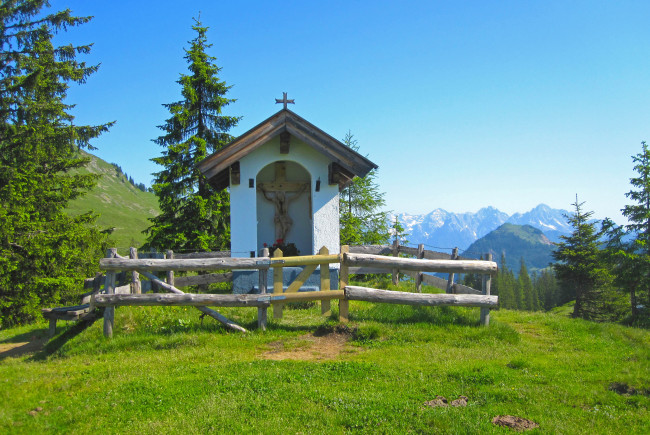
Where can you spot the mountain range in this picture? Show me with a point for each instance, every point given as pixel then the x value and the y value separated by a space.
pixel 445 230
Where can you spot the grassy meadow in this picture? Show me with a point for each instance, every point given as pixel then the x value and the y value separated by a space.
pixel 166 370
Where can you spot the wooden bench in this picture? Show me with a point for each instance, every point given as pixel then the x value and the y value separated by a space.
pixel 81 311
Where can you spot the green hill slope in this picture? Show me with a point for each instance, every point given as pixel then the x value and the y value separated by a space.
pixel 119 204
pixel 516 241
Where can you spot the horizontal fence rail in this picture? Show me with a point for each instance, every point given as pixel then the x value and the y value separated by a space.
pixel 370 259
pixel 444 266
pixel 355 293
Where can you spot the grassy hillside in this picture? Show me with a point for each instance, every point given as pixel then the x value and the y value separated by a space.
pixel 167 371
pixel 119 204
pixel 517 241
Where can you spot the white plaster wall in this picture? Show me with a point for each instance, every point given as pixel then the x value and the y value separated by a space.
pixel 243 202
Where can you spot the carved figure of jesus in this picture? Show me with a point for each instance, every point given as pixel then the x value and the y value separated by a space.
pixel 281 200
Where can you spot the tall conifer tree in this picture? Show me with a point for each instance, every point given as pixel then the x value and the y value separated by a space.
pixel 362 219
pixel 43 252
pixel 526 285
pixel 193 215
pixel 580 269
pixel 628 247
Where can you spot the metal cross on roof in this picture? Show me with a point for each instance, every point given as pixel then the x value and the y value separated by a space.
pixel 284 100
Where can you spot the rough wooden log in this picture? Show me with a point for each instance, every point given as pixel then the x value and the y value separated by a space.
pixel 135 276
pixel 89 283
pixel 215 315
pixel 418 278
pixel 153 265
pixel 96 285
pixel 434 281
pixel 355 293
pixel 109 288
pixel 444 266
pixel 395 270
pixel 195 255
pixel 301 296
pixel 367 270
pixel 433 255
pixel 372 249
pixel 262 312
pixel 450 281
pixel 487 279
pixel 182 281
pixel 185 299
pixel 344 276
pixel 169 255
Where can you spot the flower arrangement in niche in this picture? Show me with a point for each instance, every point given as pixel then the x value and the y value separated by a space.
pixel 288 249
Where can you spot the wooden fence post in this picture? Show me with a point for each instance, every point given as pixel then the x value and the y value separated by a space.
pixel 170 273
pixel 344 304
pixel 418 278
pixel 136 287
pixel 325 305
pixel 395 272
pixel 450 281
pixel 262 313
pixel 109 289
pixel 277 284
pixel 487 280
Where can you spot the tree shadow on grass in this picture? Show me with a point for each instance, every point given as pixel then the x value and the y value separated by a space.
pixel 22 344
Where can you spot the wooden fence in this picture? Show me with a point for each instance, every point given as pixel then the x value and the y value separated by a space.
pixel 366 259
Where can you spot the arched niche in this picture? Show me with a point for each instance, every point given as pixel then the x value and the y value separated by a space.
pixel 283 190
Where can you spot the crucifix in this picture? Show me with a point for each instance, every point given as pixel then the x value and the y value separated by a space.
pixel 284 100
pixel 282 193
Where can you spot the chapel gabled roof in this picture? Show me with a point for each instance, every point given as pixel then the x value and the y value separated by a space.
pixel 346 163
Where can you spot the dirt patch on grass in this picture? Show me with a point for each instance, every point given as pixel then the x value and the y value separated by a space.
pixel 627 390
pixel 14 350
pixel 517 423
pixel 310 347
pixel 441 402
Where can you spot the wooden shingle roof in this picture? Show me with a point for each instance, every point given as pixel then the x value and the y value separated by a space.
pixel 346 163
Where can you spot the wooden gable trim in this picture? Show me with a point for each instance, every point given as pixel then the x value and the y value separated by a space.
pixel 286 121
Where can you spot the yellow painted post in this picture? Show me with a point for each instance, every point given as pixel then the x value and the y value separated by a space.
pixel 301 278
pixel 344 304
pixel 277 285
pixel 325 305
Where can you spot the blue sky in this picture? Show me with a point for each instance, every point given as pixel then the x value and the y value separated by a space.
pixel 462 104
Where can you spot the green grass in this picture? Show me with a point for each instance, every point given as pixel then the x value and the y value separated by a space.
pixel 165 371
pixel 118 203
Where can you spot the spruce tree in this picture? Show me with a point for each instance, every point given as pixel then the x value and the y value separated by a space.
pixel 44 253
pixel 580 268
pixel 526 285
pixel 505 285
pixel 546 286
pixel 628 247
pixel 194 217
pixel 362 220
